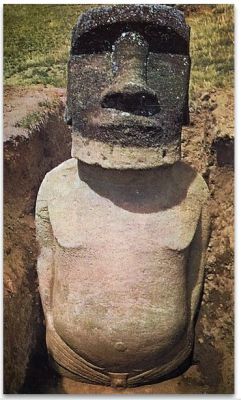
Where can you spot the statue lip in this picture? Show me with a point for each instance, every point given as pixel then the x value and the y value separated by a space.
pixel 108 118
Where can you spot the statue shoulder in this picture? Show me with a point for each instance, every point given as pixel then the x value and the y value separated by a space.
pixel 197 187
pixel 56 180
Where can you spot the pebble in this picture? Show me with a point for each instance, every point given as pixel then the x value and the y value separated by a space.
pixel 205 96
pixel 211 259
pixel 213 106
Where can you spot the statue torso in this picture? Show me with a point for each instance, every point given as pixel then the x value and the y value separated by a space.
pixel 121 268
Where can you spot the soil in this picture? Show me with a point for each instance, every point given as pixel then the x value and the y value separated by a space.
pixel 28 155
pixel 207 144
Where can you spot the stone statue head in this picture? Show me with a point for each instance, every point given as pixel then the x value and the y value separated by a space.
pixel 128 78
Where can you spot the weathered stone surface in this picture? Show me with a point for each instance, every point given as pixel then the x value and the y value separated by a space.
pixel 128 86
pixel 157 18
pixel 122 244
pixel 127 259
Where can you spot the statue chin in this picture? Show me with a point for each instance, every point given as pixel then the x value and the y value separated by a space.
pixel 118 157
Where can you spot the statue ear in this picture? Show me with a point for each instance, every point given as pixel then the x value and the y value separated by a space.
pixel 67 116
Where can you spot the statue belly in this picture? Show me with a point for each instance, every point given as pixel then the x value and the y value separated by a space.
pixel 120 310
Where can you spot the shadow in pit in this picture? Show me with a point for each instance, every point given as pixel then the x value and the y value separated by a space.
pixel 40 377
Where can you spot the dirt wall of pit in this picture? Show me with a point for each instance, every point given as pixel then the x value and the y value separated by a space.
pixel 207 144
pixel 28 156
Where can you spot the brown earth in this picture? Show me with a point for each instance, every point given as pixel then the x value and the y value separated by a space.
pixel 28 155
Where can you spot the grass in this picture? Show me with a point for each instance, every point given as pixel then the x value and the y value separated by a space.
pixel 37 39
pixel 30 121
pixel 35 118
pixel 36 43
pixel 212 47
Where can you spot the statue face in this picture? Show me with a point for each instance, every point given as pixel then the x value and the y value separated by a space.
pixel 128 78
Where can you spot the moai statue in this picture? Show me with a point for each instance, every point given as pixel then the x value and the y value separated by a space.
pixel 123 225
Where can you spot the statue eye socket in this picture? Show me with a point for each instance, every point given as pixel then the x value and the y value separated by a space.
pixel 101 40
pixel 92 47
pixel 92 42
pixel 165 40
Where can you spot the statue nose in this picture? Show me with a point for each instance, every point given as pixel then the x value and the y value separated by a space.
pixel 129 91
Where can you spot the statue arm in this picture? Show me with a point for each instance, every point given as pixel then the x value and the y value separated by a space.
pixel 196 264
pixel 45 242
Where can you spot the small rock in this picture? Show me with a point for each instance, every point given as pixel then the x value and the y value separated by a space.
pixel 205 96
pixel 213 106
pixel 212 259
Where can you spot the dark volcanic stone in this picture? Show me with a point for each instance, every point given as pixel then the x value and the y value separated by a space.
pixel 128 78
